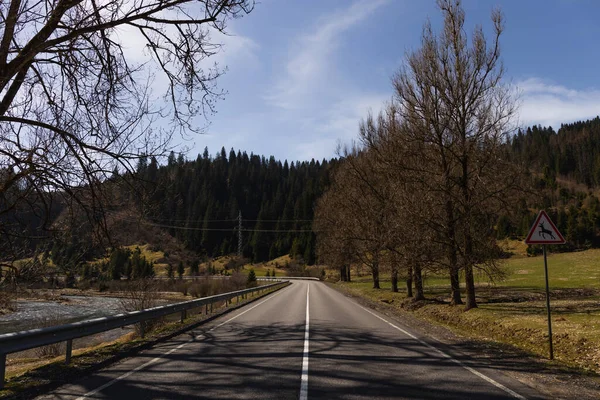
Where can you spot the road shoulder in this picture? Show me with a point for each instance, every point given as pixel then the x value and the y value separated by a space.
pixel 552 379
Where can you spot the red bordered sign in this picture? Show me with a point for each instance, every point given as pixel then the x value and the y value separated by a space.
pixel 543 231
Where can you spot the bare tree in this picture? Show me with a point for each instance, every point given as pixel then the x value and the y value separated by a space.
pixel 413 234
pixel 74 107
pixel 354 215
pixel 453 102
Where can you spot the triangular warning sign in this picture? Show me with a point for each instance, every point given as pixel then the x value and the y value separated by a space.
pixel 543 231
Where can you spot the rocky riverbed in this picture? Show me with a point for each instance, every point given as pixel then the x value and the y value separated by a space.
pixel 31 314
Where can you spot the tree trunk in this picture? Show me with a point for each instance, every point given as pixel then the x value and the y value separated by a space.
pixel 470 283
pixel 409 280
pixel 348 273
pixel 394 280
pixel 453 259
pixel 455 287
pixel 420 295
pixel 343 273
pixel 468 265
pixel 375 270
pixel 394 277
pixel 469 279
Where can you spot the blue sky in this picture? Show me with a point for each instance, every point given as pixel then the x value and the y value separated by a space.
pixel 301 74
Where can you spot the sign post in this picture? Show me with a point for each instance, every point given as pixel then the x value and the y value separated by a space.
pixel 544 232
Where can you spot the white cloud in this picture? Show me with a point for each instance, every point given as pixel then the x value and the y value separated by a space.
pixel 547 104
pixel 309 69
pixel 236 49
pixel 339 125
pixel 312 104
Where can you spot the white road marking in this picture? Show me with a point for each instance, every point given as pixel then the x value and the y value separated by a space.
pixel 471 370
pixel 140 367
pixel 304 379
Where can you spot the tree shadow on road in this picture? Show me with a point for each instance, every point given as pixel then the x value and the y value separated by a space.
pixel 265 362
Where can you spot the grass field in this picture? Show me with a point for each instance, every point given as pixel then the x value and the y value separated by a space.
pixel 514 311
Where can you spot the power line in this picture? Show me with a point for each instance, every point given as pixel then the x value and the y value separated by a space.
pixel 220 220
pixel 232 229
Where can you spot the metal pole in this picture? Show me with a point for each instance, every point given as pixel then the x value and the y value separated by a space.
pixel 2 369
pixel 69 351
pixel 548 305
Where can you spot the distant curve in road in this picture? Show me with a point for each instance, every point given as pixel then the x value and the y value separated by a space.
pixel 306 341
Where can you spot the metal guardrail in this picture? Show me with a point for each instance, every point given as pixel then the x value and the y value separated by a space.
pixel 25 340
pixel 298 278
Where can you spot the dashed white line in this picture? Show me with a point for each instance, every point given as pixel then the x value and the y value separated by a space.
pixel 304 379
pixel 140 367
pixel 471 370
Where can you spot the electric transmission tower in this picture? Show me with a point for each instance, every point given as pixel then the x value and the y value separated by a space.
pixel 239 234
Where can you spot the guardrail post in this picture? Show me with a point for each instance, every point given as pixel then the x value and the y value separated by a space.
pixel 2 369
pixel 142 329
pixel 183 315
pixel 211 308
pixel 69 351
pixel 206 309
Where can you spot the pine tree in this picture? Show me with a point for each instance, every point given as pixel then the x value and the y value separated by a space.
pixel 251 278
pixel 195 268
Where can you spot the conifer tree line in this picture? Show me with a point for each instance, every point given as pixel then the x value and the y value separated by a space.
pixel 198 202
pixel 565 173
pixel 572 153
pixel 561 182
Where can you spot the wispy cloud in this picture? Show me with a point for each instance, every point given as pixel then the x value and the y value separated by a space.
pixel 548 104
pixel 339 125
pixel 310 66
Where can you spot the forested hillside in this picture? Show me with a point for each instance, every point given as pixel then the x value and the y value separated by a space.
pixel 565 167
pixel 573 152
pixel 198 202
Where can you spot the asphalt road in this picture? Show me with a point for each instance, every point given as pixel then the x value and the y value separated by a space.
pixel 306 341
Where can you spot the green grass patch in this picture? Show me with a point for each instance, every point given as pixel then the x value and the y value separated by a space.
pixel 513 311
pixel 565 270
pixel 261 270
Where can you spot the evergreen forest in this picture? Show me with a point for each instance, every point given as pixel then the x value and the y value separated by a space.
pixel 199 202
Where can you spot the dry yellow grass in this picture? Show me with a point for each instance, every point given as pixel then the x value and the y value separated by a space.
pixel 514 311
pixel 18 366
pixel 516 247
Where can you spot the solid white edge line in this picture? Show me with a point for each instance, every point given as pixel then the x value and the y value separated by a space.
pixel 304 379
pixel 471 370
pixel 140 367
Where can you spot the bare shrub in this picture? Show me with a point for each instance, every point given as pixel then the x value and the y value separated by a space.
pixel 182 287
pixel 202 288
pixel 236 263
pixel 7 301
pixel 236 282
pixel 295 268
pixel 141 295
pixel 50 350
